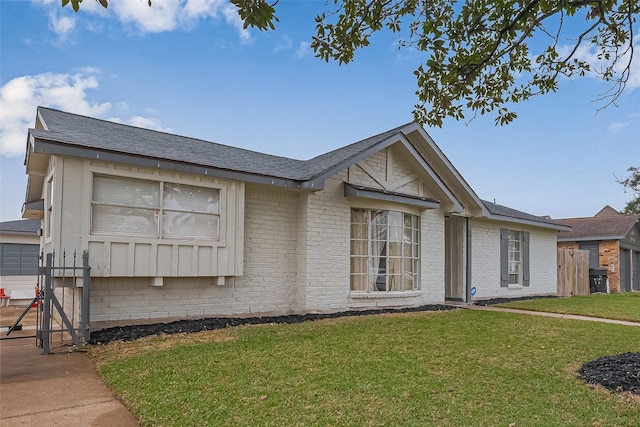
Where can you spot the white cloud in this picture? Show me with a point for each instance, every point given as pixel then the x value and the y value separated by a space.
pixel 284 44
pixel 20 96
pixel 163 15
pixel 147 123
pixel 61 25
pixel 618 126
pixel 304 49
pixel 589 54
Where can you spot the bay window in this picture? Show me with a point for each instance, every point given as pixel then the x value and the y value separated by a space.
pixel 384 251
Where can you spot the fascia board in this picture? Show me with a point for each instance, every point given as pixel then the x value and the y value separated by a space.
pixel 590 238
pixel 457 205
pixel 503 218
pixel 443 158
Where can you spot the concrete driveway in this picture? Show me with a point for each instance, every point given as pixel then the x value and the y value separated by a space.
pixel 59 389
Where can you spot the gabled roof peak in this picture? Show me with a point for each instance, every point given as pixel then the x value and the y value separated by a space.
pixel 607 211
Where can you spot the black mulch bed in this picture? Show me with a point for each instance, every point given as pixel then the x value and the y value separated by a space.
pixel 130 333
pixel 617 373
pixel 493 301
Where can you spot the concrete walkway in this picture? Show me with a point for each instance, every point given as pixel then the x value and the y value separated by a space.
pixel 59 389
pixel 545 314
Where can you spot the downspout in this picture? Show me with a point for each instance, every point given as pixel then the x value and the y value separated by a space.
pixel 468 264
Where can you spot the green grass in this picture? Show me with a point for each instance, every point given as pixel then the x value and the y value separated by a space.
pixel 623 306
pixel 456 368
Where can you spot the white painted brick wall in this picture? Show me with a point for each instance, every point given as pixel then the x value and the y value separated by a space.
pixel 486 261
pixel 296 260
pixel 267 287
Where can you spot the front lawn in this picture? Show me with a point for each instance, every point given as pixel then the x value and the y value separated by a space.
pixel 623 306
pixel 454 368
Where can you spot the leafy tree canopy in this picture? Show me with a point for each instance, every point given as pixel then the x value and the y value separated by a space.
pixel 632 185
pixel 480 56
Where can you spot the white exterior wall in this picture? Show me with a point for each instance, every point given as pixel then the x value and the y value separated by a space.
pixel 486 261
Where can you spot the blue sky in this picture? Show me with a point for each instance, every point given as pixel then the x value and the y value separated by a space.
pixel 188 68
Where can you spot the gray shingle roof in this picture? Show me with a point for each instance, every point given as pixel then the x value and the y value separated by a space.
pixel 99 134
pixel 81 132
pixel 505 211
pixel 27 226
pixel 598 227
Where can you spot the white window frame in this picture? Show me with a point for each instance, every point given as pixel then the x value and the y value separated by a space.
pixel 160 211
pixel 378 281
pixel 49 207
pixel 515 258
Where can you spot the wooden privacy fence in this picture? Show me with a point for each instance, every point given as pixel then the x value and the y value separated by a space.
pixel 573 272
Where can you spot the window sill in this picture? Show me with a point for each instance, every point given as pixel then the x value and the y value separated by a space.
pixel 372 295
pixel 514 287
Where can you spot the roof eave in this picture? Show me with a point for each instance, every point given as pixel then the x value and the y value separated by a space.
pixel 65 149
pixel 505 218
pixel 590 238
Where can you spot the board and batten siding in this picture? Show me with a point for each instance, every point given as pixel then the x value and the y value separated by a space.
pixel 133 256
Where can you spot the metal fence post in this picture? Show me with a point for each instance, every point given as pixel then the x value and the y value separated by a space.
pixel 86 300
pixel 46 315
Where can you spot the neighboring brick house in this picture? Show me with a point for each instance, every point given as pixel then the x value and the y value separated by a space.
pixel 19 257
pixel 613 241
pixel 180 227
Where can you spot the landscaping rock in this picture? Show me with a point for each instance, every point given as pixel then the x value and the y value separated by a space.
pixel 616 373
pixel 130 333
pixel 493 301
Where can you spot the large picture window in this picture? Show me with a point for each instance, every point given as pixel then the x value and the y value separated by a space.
pixel 137 207
pixel 385 251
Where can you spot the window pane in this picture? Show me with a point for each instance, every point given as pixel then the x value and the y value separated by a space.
pixel 125 191
pixel 395 249
pixel 395 282
pixel 359 247
pixel 395 266
pixel 358 282
pixel 379 217
pixel 190 198
pixel 395 219
pixel 359 231
pixel 359 265
pixel 514 267
pixel 407 282
pixel 359 216
pixel 189 225
pixel 379 232
pixel 120 220
pixel 395 234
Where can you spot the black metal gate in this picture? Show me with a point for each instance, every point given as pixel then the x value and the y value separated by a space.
pixel 62 301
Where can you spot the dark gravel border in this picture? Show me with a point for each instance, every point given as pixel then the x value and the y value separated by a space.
pixel 493 301
pixel 618 373
pixel 133 332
